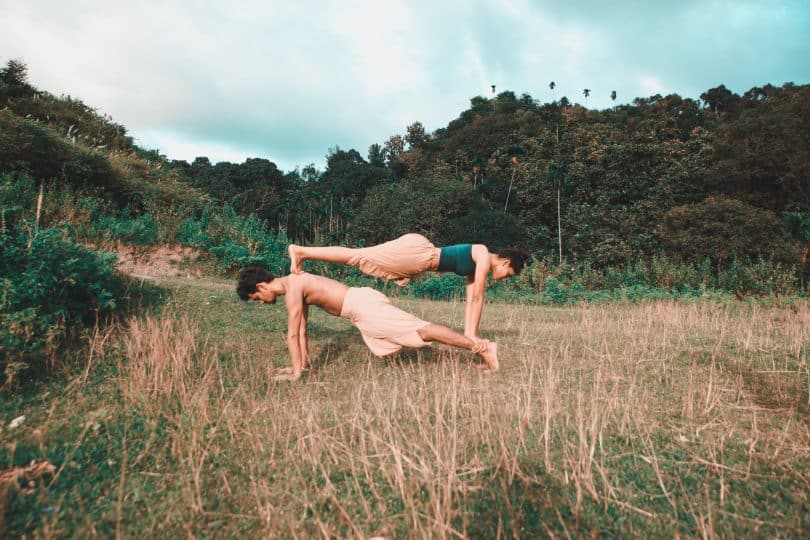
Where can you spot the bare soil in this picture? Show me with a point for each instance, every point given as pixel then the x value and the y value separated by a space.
pixel 156 261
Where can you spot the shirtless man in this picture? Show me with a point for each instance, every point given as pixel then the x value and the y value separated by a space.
pixel 412 254
pixel 385 328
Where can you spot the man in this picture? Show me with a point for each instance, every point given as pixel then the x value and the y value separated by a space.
pixel 412 254
pixel 385 328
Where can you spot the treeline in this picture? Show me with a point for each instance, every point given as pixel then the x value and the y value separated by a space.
pixel 726 179
pixel 723 179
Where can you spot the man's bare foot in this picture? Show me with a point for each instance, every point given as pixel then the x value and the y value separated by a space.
pixel 295 264
pixel 287 377
pixel 402 281
pixel 490 355
pixel 288 370
pixel 287 374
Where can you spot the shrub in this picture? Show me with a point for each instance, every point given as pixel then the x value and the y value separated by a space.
pixel 50 288
pixel 236 241
pixel 439 287
pixel 721 229
pixel 140 230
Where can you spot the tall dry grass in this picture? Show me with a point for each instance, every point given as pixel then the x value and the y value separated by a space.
pixel 660 419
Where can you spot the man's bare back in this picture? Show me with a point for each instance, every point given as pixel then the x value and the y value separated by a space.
pixel 310 289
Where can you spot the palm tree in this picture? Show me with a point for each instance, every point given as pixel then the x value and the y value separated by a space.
pixel 613 95
pixel 586 92
pixel 552 85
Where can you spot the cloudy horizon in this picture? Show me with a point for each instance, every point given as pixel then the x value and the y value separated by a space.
pixel 287 82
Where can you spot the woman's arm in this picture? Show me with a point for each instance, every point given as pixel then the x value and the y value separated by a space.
pixel 476 284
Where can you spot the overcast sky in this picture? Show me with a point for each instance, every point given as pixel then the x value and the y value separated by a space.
pixel 288 80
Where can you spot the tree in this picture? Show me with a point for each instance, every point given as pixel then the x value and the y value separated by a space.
pixel 429 205
pixel 720 99
pixel 15 73
pixel 552 85
pixel 415 136
pixel 721 229
pixel 762 153
pixel 613 95
pixel 376 155
pixel 394 146
pixel 14 81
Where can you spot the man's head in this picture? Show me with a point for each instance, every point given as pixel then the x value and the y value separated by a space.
pixel 510 263
pixel 253 284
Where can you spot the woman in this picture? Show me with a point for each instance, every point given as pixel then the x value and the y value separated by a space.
pixel 412 254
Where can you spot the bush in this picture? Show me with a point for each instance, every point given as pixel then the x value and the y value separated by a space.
pixel 236 241
pixel 439 287
pixel 721 229
pixel 50 289
pixel 141 230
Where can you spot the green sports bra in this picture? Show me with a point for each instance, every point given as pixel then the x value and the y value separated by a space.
pixel 458 259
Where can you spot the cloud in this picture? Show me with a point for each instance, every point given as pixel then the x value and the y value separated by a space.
pixel 287 81
pixel 650 85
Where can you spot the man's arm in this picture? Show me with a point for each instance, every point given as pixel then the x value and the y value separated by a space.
pixel 475 290
pixel 302 336
pixel 295 319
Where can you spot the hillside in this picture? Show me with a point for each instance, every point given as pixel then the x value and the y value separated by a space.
pixel 723 178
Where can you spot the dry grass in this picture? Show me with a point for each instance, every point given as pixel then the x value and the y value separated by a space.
pixel 664 419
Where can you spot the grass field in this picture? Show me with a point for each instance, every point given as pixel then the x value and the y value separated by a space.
pixel 648 420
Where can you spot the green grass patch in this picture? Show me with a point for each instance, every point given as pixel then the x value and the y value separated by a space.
pixel 657 419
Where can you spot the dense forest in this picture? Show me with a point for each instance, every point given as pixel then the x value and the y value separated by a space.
pixel 727 177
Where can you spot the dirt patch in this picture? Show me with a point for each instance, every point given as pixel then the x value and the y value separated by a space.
pixel 156 261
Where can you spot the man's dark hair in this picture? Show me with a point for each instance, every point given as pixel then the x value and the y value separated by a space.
pixel 517 258
pixel 248 279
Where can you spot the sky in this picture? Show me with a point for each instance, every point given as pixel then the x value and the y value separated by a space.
pixel 288 81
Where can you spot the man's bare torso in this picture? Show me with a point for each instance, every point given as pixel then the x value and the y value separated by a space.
pixel 309 289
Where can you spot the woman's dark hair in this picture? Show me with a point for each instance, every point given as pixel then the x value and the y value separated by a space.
pixel 517 258
pixel 248 279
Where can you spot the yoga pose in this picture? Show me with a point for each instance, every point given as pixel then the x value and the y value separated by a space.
pixel 385 328
pixel 412 254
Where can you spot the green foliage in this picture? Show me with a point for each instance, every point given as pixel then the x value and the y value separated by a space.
pixel 140 230
pixel 761 278
pixel 445 210
pixel 50 288
pixel 439 287
pixel 658 278
pixel 722 229
pixel 236 241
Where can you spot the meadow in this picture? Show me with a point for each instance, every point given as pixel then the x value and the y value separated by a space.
pixel 658 419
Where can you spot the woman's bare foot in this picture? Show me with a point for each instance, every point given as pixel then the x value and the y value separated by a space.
pixel 402 281
pixel 490 355
pixel 295 264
